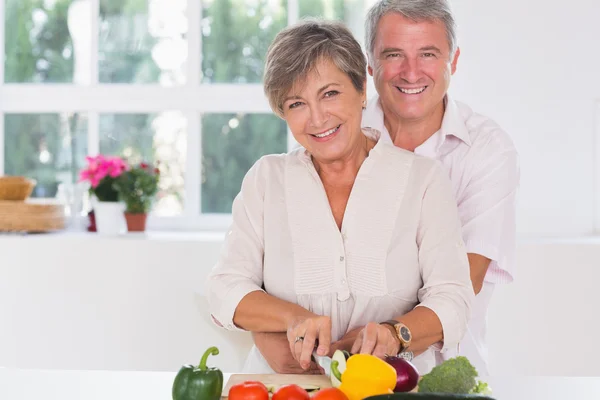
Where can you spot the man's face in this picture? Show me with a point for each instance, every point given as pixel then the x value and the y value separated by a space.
pixel 411 66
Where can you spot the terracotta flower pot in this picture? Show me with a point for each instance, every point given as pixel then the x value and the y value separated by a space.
pixel 136 222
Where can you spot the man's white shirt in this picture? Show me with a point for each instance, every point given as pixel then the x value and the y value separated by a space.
pixel 482 163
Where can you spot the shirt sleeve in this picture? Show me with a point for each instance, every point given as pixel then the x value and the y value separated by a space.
pixel 447 288
pixel 487 210
pixel 239 270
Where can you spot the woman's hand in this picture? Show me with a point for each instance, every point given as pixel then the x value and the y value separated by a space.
pixel 302 335
pixel 275 349
pixel 378 340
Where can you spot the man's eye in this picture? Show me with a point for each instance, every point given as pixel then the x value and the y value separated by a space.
pixel 428 55
pixel 332 93
pixel 393 55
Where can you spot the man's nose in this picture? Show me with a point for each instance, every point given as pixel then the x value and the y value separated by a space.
pixel 410 70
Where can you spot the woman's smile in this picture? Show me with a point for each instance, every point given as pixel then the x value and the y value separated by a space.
pixel 326 135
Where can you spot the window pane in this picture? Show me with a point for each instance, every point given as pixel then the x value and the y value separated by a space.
pixel 143 41
pixel 236 35
pixel 329 9
pixel 151 137
pixel 38 40
pixel 231 144
pixel 49 148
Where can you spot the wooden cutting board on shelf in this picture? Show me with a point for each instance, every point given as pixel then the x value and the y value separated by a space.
pixel 31 216
pixel 321 381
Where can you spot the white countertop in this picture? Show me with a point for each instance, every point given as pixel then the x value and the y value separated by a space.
pixel 17 384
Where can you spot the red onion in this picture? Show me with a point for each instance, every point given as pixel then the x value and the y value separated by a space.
pixel 407 375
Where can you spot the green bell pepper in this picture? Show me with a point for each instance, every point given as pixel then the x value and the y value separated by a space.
pixel 199 383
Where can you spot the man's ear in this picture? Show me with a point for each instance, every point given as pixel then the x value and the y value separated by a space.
pixel 455 60
pixel 369 68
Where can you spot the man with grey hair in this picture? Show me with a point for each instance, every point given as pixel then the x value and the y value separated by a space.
pixel 412 53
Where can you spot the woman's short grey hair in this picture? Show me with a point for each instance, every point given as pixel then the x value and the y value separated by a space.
pixel 296 51
pixel 416 10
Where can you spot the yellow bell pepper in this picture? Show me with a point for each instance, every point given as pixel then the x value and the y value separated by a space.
pixel 365 376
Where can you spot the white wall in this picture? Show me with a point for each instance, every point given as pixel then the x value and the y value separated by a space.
pixel 82 302
pixel 85 302
pixel 533 66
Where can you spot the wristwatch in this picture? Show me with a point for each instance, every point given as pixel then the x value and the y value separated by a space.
pixel 402 332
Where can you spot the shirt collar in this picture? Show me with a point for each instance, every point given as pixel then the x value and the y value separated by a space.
pixel 452 123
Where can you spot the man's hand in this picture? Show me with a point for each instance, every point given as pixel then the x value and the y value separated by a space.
pixel 276 350
pixel 346 342
pixel 376 339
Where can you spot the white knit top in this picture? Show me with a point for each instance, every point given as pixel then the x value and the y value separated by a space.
pixel 400 244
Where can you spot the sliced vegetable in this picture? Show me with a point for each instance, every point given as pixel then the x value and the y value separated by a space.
pixel 341 356
pixel 310 388
pixel 271 387
pixel 407 375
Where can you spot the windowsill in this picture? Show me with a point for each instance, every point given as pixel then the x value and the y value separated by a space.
pixel 217 236
pixel 164 236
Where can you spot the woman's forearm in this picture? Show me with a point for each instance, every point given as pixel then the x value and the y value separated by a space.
pixel 261 312
pixel 425 327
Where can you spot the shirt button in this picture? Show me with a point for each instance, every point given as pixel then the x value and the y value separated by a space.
pixel 343 281
pixel 341 258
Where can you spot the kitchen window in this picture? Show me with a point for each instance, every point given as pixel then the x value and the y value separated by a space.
pixel 170 81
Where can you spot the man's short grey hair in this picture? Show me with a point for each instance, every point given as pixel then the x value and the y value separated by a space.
pixel 296 51
pixel 415 10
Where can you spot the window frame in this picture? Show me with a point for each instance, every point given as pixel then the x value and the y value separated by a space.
pixel 596 139
pixel 193 99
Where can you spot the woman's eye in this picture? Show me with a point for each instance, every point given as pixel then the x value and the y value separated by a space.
pixel 294 105
pixel 332 93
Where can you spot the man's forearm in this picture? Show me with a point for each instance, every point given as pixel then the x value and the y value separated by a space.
pixel 261 312
pixel 478 265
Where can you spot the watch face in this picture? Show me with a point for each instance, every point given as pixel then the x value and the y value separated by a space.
pixel 405 334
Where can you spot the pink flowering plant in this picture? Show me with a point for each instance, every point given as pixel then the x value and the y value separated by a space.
pixel 102 172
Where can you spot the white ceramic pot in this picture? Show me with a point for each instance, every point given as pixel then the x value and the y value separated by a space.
pixel 110 217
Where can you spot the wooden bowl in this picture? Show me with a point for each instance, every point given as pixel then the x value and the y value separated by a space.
pixel 16 188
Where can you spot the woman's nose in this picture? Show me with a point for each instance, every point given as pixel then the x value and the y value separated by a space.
pixel 318 116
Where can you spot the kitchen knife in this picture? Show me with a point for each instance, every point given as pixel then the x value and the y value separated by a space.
pixel 323 361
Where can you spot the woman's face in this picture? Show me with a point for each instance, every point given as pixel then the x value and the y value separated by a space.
pixel 324 113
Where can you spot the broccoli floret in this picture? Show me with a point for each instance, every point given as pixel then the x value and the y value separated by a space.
pixel 482 388
pixel 456 375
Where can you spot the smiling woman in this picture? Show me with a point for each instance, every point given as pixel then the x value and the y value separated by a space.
pixel 318 233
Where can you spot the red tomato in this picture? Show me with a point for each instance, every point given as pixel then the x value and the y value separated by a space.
pixel 330 394
pixel 249 390
pixel 291 392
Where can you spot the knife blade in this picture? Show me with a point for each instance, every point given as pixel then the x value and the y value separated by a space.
pixel 323 361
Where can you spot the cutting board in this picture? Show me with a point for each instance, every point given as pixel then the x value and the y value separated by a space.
pixel 277 379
